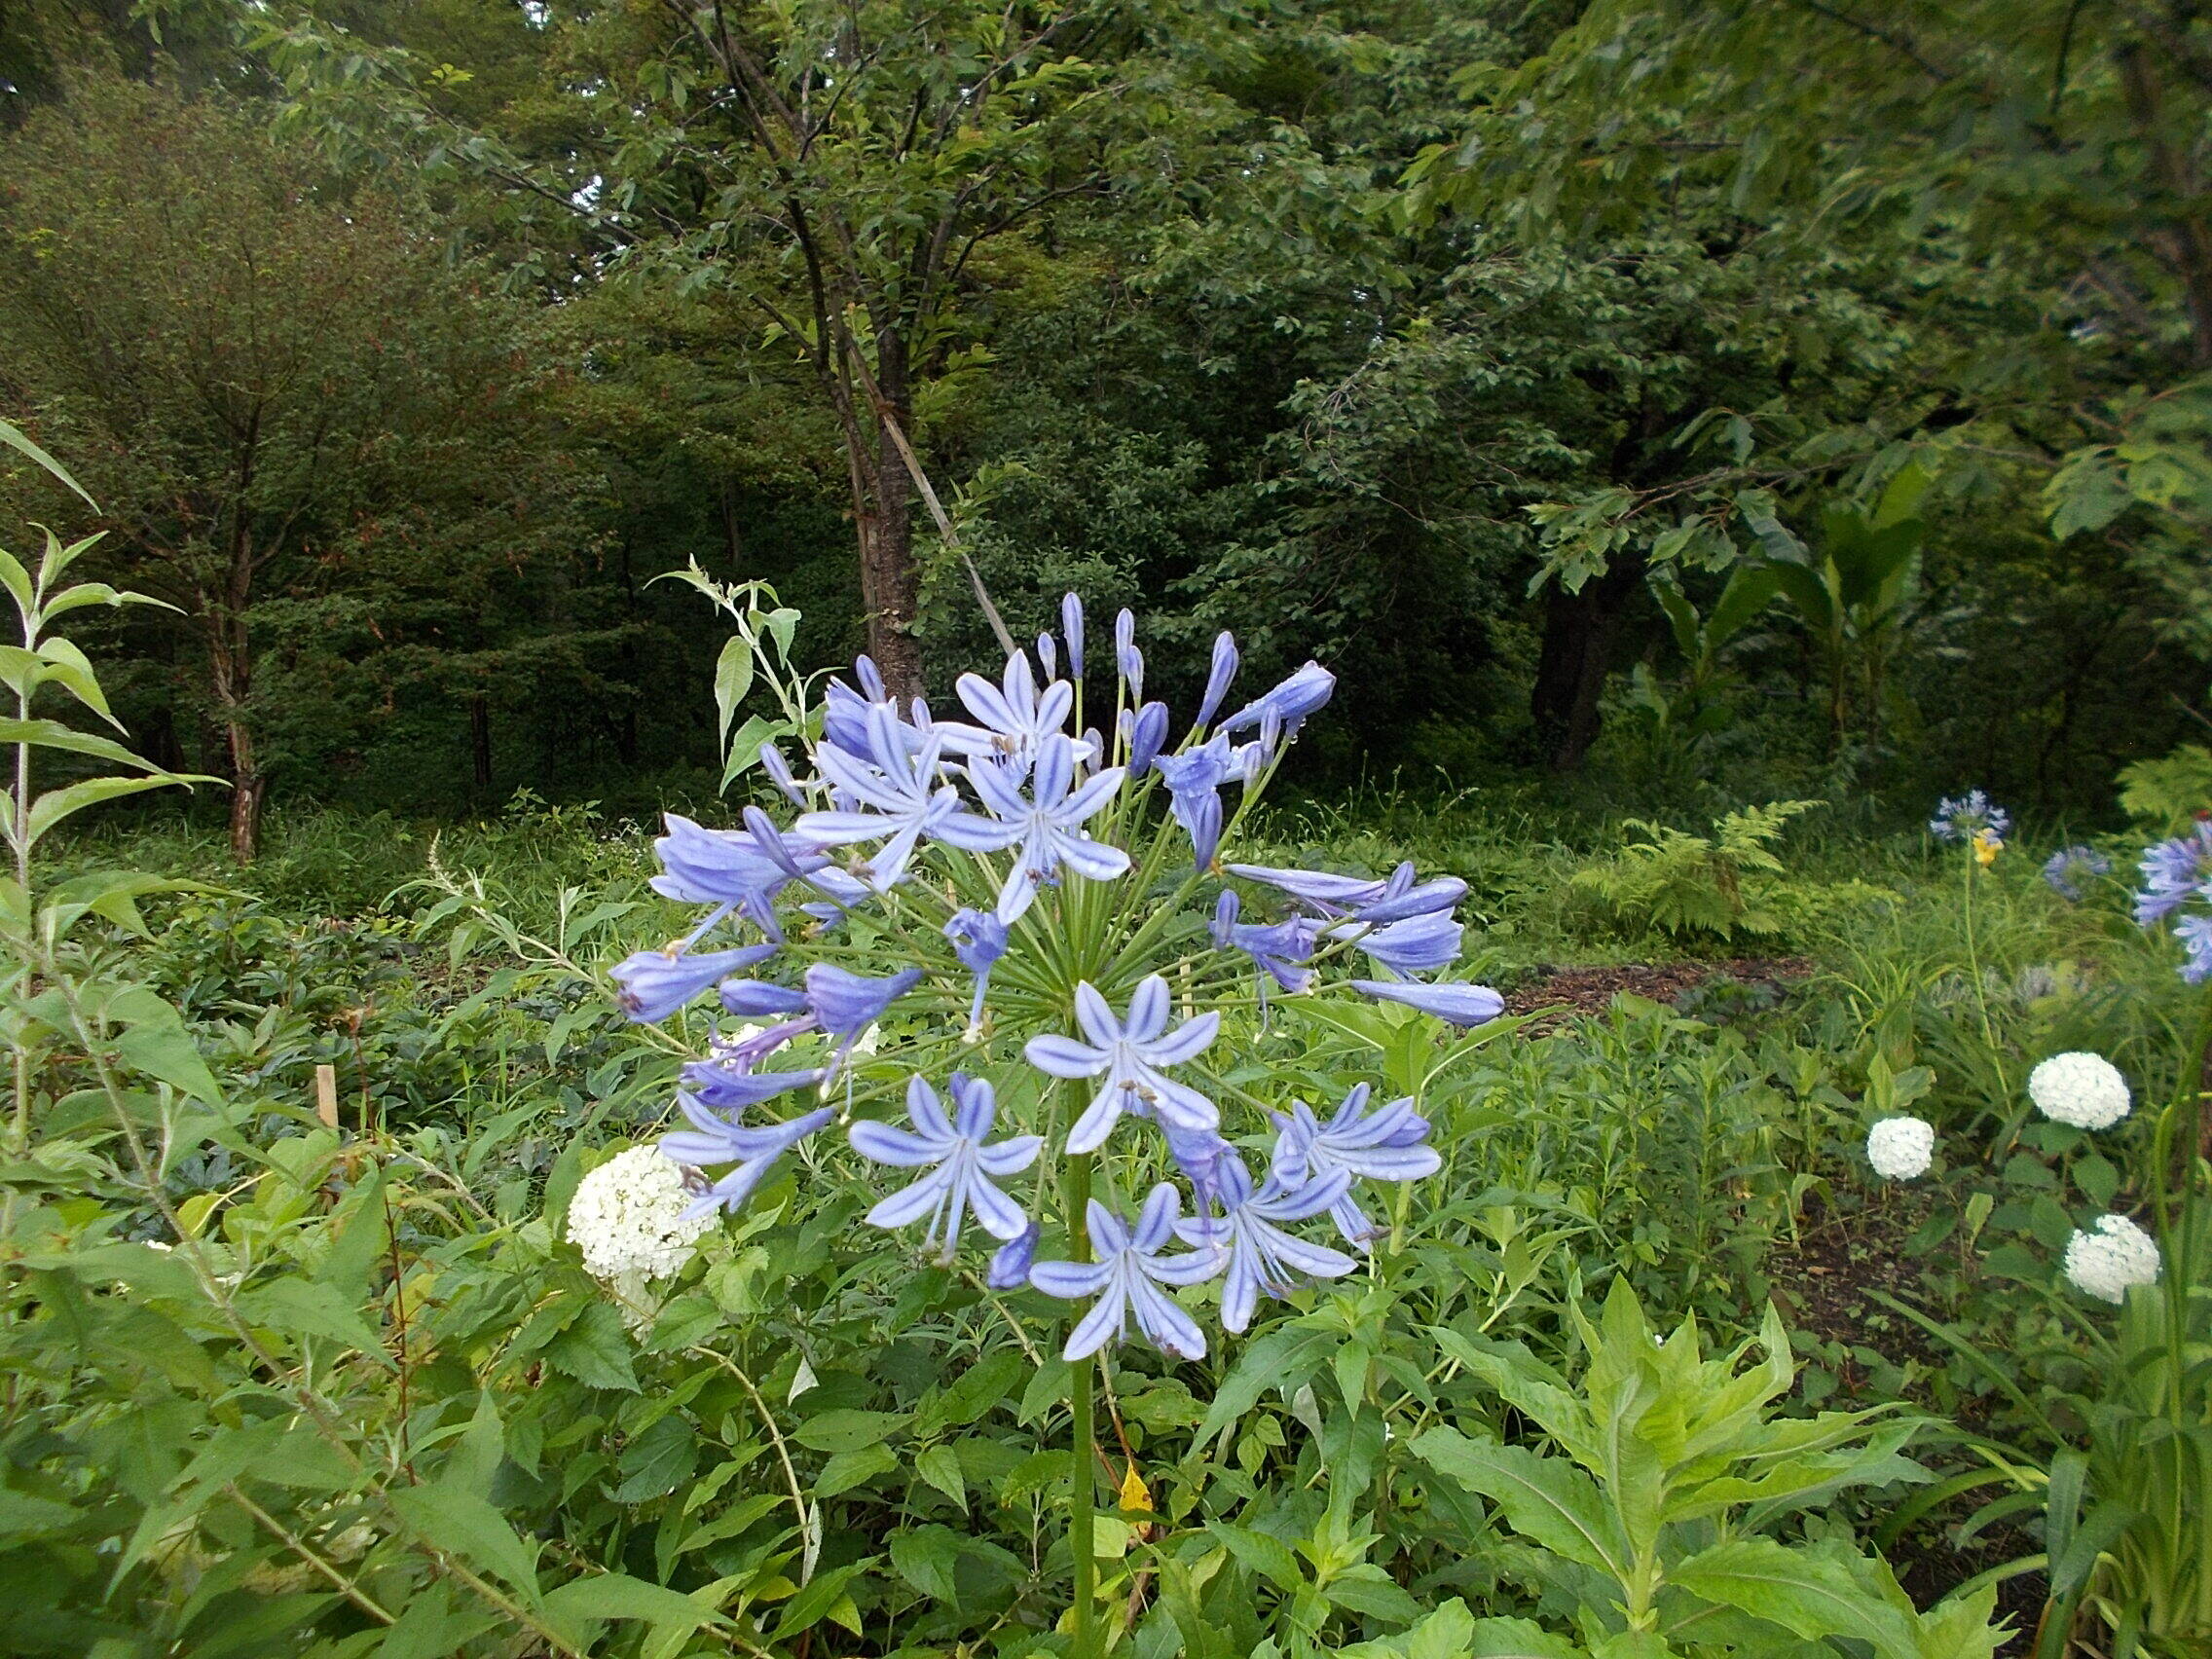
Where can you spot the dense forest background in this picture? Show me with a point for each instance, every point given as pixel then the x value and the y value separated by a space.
pixel 1758 397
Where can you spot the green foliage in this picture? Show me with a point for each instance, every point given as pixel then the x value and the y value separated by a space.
pixel 1690 885
pixel 2165 795
pixel 1654 1517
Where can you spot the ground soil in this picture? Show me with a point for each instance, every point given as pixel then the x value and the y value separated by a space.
pixel 1576 992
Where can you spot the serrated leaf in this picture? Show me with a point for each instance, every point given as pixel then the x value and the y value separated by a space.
pixel 1545 1498
pixel 1806 1595
pixel 595 1350
pixel 465 1524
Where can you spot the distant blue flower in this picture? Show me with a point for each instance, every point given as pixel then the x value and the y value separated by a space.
pixel 653 984
pixel 960 1165
pixel 1132 1055
pixel 1460 1004
pixel 978 939
pixel 1387 1144
pixel 1129 661
pixel 1017 718
pixel 1218 677
pixel 2066 869
pixel 1126 1278
pixel 2172 871
pixel 1071 628
pixel 1260 1256
pixel 1048 822
pixel 1301 694
pixel 713 1139
pixel 908 803
pixel 1193 780
pixel 1010 1261
pixel 2195 934
pixel 1965 816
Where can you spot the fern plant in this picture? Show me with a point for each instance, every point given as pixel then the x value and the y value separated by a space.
pixel 1686 885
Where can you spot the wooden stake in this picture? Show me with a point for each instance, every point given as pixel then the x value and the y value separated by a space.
pixel 326 1095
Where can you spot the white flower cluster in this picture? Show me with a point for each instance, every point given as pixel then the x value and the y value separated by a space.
pixel 1900 1148
pixel 2105 1262
pixel 2085 1090
pixel 627 1217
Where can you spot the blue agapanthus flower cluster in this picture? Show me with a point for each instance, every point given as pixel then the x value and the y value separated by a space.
pixel 1964 817
pixel 2176 888
pixel 2069 870
pixel 1004 916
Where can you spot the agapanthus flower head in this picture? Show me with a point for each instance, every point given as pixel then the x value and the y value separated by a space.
pixel 1128 1279
pixel 1259 1257
pixel 633 1218
pixel 1220 674
pixel 1388 1144
pixel 1016 718
pixel 1900 1149
pixel 1131 1054
pixel 2173 872
pixel 720 1138
pixel 962 1164
pixel 2111 1258
pixel 1193 780
pixel 2080 1088
pixel 1301 694
pixel 728 868
pixel 906 801
pixel 1045 826
pixel 1071 629
pixel 1961 818
pixel 2070 870
pixel 2195 932
pixel 1458 1005
pixel 653 984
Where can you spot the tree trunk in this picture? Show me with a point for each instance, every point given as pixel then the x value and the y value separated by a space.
pixel 246 783
pixel 480 743
pixel 891 582
pixel 1579 630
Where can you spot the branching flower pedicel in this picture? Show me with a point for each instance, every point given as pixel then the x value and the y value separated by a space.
pixel 1020 902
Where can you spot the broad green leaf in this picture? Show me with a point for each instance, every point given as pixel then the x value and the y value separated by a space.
pixel 304 1308
pixel 926 1558
pixel 1807 1595
pixel 819 1597
pixel 1545 1498
pixel 1261 1553
pixel 848 1430
pixel 595 1350
pixel 52 807
pixel 939 1466
pixel 848 1469
pixel 733 678
pixel 654 1463
pixel 159 1047
pixel 462 1524
pixel 15 439
pixel 618 1596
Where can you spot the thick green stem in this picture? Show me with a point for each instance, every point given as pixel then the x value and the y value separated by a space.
pixel 1082 1382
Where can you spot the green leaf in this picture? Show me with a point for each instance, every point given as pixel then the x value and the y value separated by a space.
pixel 975 1391
pixel 657 1460
pixel 465 1524
pixel 733 678
pixel 1261 1553
pixel 159 1046
pixel 1545 1498
pixel 939 1466
pixel 848 1430
pixel 305 1307
pixel 618 1596
pixel 15 439
pixel 53 734
pixel 926 1558
pixel 822 1594
pixel 1366 1588
pixel 52 807
pixel 595 1350
pixel 849 1469
pixel 1807 1595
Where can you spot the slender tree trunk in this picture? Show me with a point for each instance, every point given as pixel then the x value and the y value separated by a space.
pixel 232 670
pixel 1579 631
pixel 891 582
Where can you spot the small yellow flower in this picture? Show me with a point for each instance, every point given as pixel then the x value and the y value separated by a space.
pixel 1986 847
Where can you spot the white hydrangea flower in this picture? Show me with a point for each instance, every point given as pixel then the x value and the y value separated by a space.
pixel 2105 1262
pixel 2085 1090
pixel 1900 1148
pixel 627 1218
